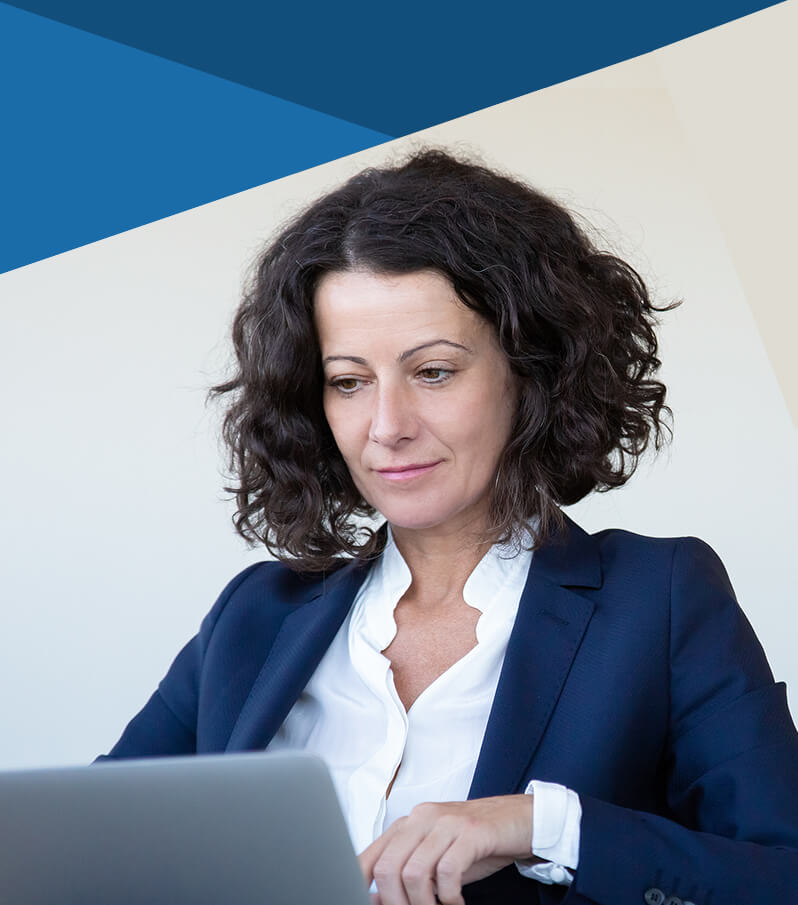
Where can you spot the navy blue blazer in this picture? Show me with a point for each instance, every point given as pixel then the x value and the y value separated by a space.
pixel 631 676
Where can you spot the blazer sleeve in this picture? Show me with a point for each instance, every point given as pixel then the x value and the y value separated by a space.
pixel 167 724
pixel 730 836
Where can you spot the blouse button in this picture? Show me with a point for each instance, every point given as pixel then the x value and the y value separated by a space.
pixel 654 896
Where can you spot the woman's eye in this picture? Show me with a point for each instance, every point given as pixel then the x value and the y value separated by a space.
pixel 436 375
pixel 346 385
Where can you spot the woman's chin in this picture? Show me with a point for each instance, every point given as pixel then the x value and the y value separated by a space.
pixel 427 519
pixel 413 519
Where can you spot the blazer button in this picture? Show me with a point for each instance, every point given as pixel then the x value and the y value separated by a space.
pixel 673 900
pixel 654 896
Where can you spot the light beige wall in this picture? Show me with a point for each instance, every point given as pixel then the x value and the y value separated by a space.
pixel 113 519
pixel 742 132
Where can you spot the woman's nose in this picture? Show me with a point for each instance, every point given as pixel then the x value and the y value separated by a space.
pixel 392 418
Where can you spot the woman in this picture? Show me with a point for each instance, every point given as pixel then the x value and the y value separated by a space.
pixel 443 346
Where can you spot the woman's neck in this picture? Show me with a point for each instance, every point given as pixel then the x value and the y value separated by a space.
pixel 439 562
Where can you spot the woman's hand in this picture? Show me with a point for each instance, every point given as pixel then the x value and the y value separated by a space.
pixel 438 848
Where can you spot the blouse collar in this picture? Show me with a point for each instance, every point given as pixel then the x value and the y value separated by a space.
pixel 493 588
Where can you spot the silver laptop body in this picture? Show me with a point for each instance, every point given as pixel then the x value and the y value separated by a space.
pixel 233 829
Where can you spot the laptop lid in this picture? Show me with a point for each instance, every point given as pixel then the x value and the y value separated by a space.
pixel 249 829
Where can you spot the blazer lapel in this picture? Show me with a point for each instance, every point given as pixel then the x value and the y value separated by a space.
pixel 548 630
pixel 301 642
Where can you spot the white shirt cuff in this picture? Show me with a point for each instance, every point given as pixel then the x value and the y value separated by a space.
pixel 556 820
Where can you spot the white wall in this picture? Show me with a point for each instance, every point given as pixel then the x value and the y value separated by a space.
pixel 115 537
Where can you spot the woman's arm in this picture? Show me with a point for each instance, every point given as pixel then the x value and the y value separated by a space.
pixel 748 805
pixel 732 767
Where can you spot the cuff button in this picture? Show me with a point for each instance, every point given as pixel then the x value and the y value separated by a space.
pixel 557 874
pixel 673 900
pixel 654 896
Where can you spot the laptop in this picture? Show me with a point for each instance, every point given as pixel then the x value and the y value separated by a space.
pixel 233 829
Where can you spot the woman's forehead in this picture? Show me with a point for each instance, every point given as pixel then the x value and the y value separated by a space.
pixel 365 306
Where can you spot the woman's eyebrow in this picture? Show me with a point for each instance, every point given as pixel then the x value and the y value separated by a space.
pixel 404 355
pixel 435 342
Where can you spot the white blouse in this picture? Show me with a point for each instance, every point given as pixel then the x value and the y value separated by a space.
pixel 351 716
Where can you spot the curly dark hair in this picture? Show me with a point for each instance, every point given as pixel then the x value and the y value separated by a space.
pixel 576 324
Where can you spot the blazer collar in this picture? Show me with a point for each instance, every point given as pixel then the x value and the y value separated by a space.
pixel 570 559
pixel 304 636
pixel 551 622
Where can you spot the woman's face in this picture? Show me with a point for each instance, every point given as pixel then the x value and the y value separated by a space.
pixel 418 394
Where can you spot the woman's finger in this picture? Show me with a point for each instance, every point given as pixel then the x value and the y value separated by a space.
pixel 369 856
pixel 419 872
pixel 388 864
pixel 451 868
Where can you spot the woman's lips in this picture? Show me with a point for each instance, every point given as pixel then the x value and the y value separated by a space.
pixel 407 474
